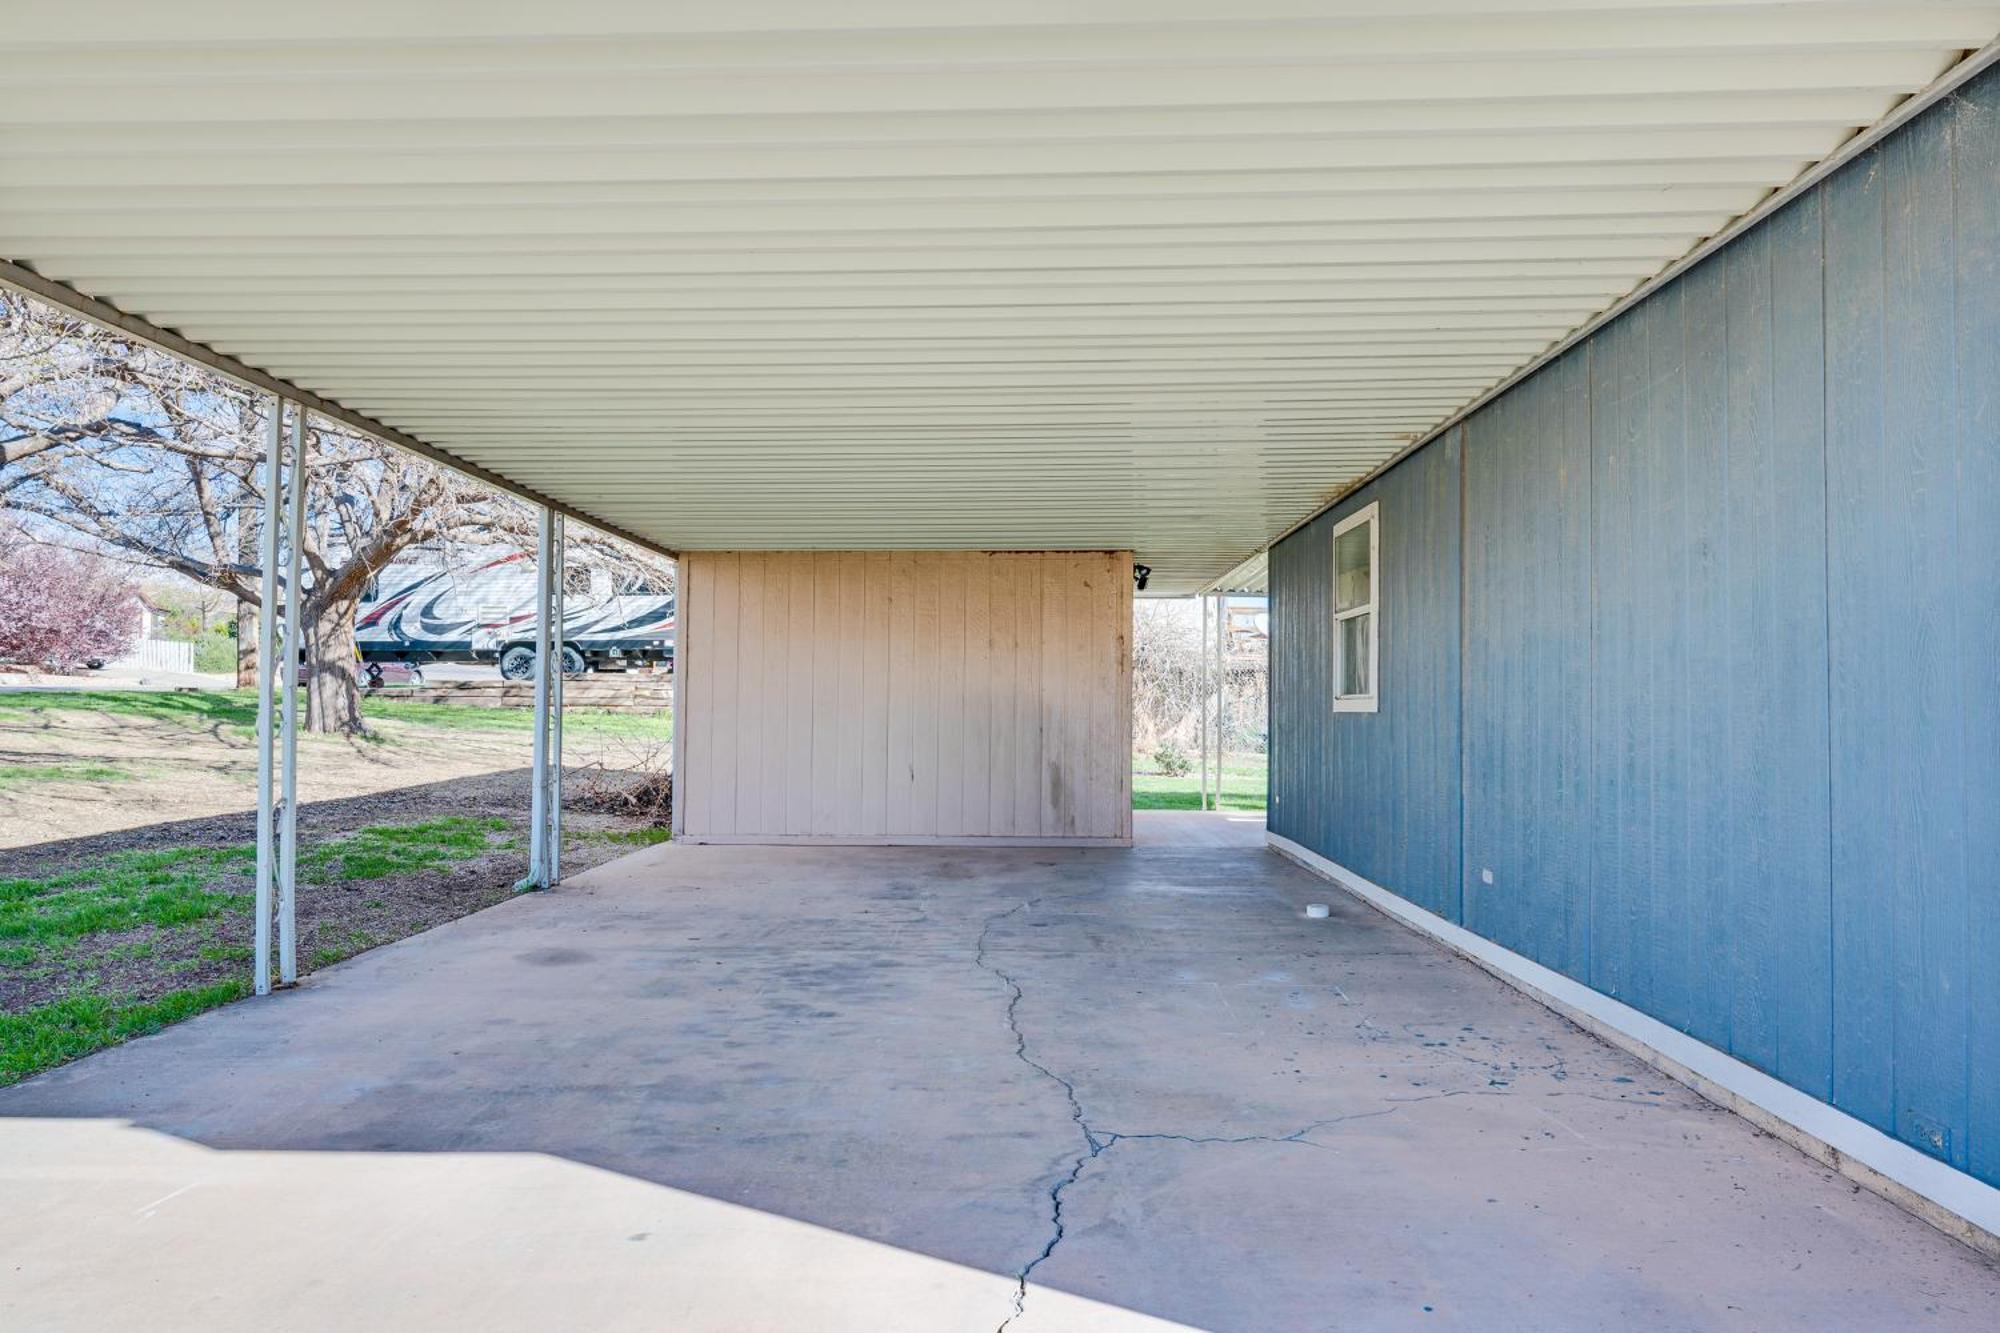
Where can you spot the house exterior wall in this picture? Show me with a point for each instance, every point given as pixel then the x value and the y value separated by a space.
pixel 1381 799
pixel 1704 619
pixel 906 696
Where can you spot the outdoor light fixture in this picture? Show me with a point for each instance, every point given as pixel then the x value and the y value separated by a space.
pixel 1140 573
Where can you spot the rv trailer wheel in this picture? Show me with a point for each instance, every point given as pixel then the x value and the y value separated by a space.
pixel 518 663
pixel 573 665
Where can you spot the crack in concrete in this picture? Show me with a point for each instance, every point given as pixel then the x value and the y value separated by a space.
pixel 1098 1142
pixel 1092 1145
pixel 1302 1135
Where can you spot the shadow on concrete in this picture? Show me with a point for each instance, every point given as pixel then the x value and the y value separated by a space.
pixel 184 1238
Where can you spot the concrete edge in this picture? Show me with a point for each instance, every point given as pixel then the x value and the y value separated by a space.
pixel 1964 1208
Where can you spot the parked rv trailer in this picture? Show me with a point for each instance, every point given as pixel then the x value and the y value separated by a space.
pixel 424 609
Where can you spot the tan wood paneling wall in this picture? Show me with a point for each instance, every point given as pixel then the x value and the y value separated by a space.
pixel 905 696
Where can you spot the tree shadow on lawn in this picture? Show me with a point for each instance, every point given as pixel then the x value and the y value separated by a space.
pixel 503 794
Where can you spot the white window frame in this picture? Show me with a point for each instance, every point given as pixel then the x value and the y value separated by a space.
pixel 1343 702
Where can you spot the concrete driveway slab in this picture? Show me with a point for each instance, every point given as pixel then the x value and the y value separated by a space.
pixel 745 1088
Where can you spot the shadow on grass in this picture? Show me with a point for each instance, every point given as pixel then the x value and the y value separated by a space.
pixel 237 709
pixel 502 792
pixel 197 708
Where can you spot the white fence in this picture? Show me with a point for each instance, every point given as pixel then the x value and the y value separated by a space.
pixel 159 655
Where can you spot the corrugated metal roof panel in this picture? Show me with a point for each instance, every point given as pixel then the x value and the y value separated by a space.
pixel 1158 276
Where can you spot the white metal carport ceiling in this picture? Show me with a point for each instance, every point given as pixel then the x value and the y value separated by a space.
pixel 1157 275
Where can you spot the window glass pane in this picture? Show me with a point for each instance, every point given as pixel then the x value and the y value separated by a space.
pixel 1350 567
pixel 1355 676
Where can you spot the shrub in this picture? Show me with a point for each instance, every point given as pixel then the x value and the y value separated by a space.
pixel 1172 760
pixel 215 651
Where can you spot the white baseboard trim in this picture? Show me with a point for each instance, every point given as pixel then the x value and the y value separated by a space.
pixel 1955 1203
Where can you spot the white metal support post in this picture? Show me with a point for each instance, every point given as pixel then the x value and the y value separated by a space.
pixel 1221 690
pixel 556 612
pixel 278 701
pixel 1201 697
pixel 267 624
pixel 288 810
pixel 545 795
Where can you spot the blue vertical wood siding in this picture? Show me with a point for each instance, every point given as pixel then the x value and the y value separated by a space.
pixel 1691 652
pixel 1527 663
pixel 1384 792
pixel 1976 222
pixel 1911 524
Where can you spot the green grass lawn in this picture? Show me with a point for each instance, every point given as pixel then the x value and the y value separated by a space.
pixel 1243 785
pixel 398 849
pixel 52 1034
pixel 195 708
pixel 70 937
pixel 123 891
pixel 22 775
pixel 236 710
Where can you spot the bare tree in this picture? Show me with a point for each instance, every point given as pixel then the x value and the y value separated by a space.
pixel 48 358
pixel 116 444
pixel 1171 686
pixel 1167 676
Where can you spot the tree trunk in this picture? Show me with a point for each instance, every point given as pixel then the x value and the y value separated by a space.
pixel 246 646
pixel 333 692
